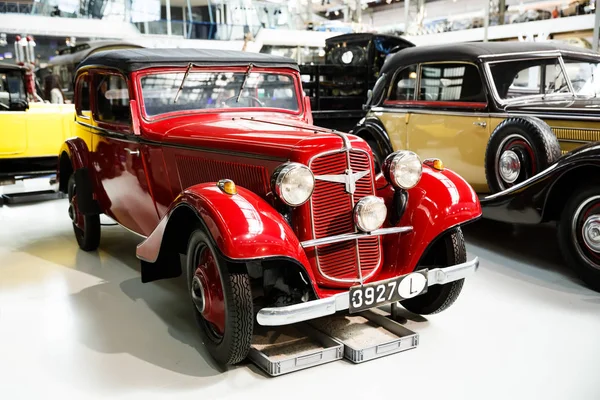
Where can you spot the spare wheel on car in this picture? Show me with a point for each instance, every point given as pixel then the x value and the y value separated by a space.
pixel 519 148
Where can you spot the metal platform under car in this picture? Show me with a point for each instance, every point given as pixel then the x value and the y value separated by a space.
pixel 359 337
pixel 284 349
pixel 367 335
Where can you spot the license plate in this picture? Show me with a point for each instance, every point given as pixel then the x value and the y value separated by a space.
pixel 389 291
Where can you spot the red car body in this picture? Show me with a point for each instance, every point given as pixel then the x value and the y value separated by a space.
pixel 158 173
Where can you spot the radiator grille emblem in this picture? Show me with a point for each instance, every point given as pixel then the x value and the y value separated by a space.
pixel 348 178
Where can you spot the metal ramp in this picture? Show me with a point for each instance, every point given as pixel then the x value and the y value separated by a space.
pixel 289 348
pixel 30 197
pixel 358 338
pixel 30 190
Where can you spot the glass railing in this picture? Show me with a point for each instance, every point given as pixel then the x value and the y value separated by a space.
pixel 199 29
pixel 15 8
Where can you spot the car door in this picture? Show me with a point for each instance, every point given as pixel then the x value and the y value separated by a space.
pixel 13 132
pixel 399 99
pixel 450 120
pixel 119 157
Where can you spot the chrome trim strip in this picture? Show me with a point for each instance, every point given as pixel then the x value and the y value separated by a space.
pixel 543 53
pixel 522 184
pixel 530 55
pixel 433 111
pixel 276 316
pixel 351 236
pixel 566 76
pixel 492 115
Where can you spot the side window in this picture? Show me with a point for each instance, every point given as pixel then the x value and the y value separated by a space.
pixel 403 87
pixel 112 99
pixel 83 96
pixel 451 82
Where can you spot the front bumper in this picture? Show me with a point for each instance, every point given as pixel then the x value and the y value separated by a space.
pixel 275 316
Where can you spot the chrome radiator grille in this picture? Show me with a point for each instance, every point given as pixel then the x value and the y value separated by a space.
pixel 332 214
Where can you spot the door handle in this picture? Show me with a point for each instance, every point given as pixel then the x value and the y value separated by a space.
pixel 482 124
pixel 132 152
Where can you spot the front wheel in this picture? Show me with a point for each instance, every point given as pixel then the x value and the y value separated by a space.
pixel 85 227
pixel 450 250
pixel 579 235
pixel 222 301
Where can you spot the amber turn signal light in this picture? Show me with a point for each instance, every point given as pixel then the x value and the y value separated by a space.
pixel 227 186
pixel 434 163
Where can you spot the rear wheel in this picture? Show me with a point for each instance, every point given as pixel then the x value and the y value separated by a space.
pixel 85 227
pixel 449 250
pixel 222 301
pixel 579 235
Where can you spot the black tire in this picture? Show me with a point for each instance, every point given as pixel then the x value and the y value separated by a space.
pixel 583 206
pixel 233 345
pixel 88 238
pixel 533 143
pixel 449 250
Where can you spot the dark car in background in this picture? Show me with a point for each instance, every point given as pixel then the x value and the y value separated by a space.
pixel 339 88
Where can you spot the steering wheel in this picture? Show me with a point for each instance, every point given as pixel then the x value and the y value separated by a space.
pixel 231 102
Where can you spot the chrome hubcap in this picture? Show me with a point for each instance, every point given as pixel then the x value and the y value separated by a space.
pixel 198 294
pixel 591 232
pixel 509 166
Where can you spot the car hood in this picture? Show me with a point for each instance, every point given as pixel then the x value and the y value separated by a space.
pixel 261 135
pixel 588 106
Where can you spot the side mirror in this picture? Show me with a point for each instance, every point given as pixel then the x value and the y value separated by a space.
pixel 367 105
pixel 135 118
pixel 307 111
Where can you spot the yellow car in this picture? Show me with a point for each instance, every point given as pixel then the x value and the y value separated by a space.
pixel 30 133
pixel 495 113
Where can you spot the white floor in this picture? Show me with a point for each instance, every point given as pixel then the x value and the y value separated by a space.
pixel 82 325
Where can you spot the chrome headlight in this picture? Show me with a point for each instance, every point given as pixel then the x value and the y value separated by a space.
pixel 293 183
pixel 403 169
pixel 370 213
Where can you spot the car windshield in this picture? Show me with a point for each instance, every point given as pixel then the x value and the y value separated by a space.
pixel 12 89
pixel 205 90
pixel 584 76
pixel 545 76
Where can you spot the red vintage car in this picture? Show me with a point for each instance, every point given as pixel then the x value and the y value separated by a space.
pixel 213 155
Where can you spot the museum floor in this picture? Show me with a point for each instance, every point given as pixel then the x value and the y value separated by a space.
pixel 82 325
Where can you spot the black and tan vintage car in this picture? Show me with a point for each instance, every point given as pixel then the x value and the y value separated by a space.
pixel 501 114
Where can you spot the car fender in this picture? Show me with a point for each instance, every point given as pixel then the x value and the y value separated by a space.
pixel 372 126
pixel 74 159
pixel 243 226
pixel 77 151
pixel 440 202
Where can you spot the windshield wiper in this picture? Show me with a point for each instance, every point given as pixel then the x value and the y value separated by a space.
pixel 237 99
pixel 190 65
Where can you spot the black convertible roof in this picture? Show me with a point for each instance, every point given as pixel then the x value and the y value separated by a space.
pixel 474 51
pixel 128 60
